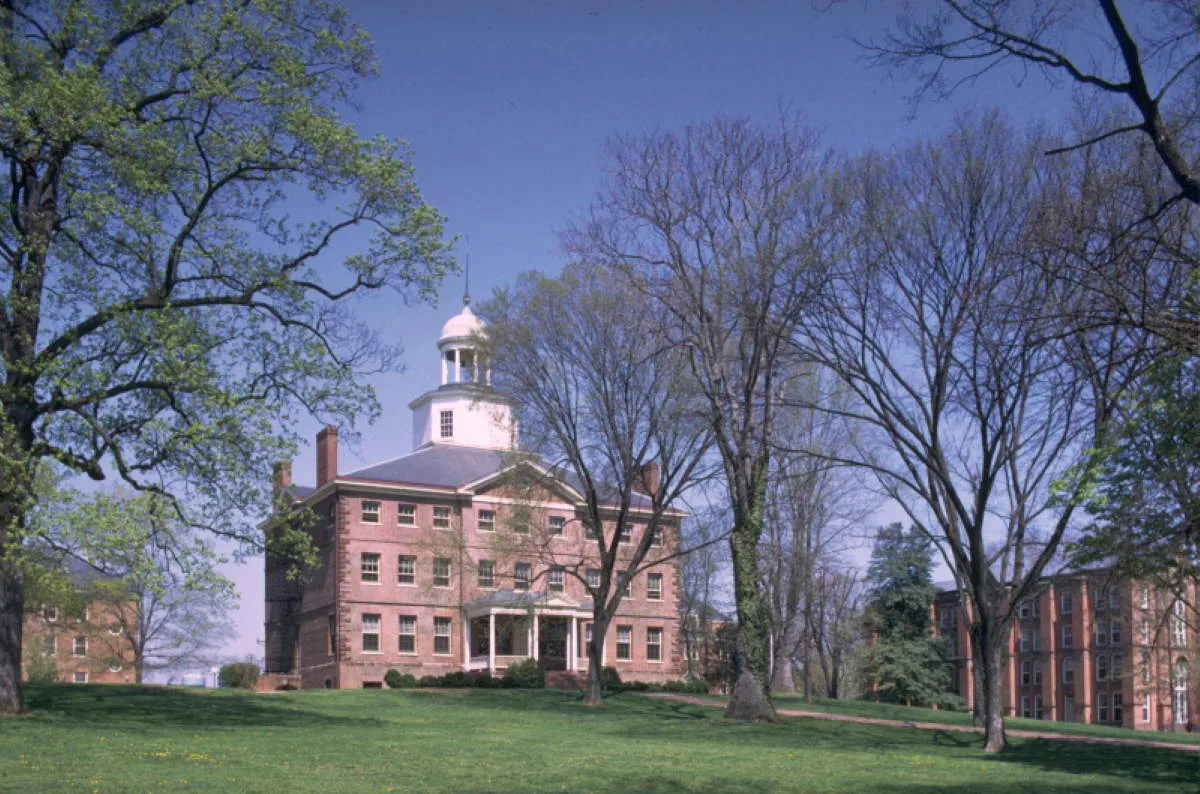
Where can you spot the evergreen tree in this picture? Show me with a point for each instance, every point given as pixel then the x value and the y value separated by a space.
pixel 905 662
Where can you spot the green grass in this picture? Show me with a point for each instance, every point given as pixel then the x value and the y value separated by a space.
pixel 155 739
pixel 863 708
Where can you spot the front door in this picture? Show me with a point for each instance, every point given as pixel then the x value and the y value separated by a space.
pixel 1068 709
pixel 552 643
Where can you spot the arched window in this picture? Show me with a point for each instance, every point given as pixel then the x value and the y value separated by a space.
pixel 1179 687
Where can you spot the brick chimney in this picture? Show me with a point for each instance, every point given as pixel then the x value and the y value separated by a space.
pixel 648 478
pixel 281 477
pixel 326 455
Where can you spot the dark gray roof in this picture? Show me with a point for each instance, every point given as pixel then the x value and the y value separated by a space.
pixel 509 597
pixel 440 465
pixel 298 492
pixel 83 573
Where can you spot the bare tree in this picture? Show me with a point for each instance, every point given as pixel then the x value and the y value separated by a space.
pixel 985 416
pixel 608 404
pixel 836 627
pixel 703 590
pixel 726 227
pixel 1151 66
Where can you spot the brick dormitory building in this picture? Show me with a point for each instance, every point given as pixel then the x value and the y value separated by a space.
pixel 1094 648
pixel 462 555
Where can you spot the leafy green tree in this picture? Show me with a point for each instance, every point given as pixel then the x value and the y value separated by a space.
pixel 906 663
pixel 180 188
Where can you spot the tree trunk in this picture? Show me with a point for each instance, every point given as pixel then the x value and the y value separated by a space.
pixel 12 611
pixel 783 678
pixel 990 675
pixel 751 699
pixel 593 695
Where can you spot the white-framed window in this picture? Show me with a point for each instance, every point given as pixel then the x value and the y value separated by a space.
pixel 80 646
pixel 589 531
pixel 1102 709
pixel 49 613
pixel 369 567
pixel 1179 694
pixel 1144 631
pixel 627 533
pixel 80 677
pixel 1068 671
pixel 48 645
pixel 656 537
pixel 1068 636
pixel 1026 672
pixel 1028 639
pixel 441 571
pixel 654 587
pixel 1178 624
pixel 408 634
pixel 1066 603
pixel 654 635
pixel 370 633
pixel 1146 665
pixel 1114 598
pixel 627 590
pixel 1037 673
pixel 487 521
pixel 556 526
pixel 1146 707
pixel 1100 598
pixel 522 573
pixel 487 574
pixel 624 643
pixel 1118 706
pixel 1118 661
pixel 441 517
pixel 1039 712
pixel 115 667
pixel 406 569
pixel 406 515
pixel 1030 608
pixel 1100 632
pixel 446 424
pixel 370 512
pixel 115 629
pixel 1101 668
pixel 1114 631
pixel 554 579
pixel 593 578
pixel 441 636
pixel 1026 708
pixel 1144 596
pixel 946 618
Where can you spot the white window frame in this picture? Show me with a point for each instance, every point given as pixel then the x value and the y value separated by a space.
pixel 1146 707
pixel 75 645
pixel 654 657
pixel 1147 664
pixel 1039 708
pixel 654 593
pixel 625 641
pixel 1037 673
pixel 1026 672
pixel 1114 598
pixel 1066 603
pixel 406 515
pixel 1068 671
pixel 406 570
pixel 443 631
pixel 1101 667
pixel 443 572
pixel 366 512
pixel 1068 636
pixel 1100 598
pixel 1102 706
pixel 441 517
pixel 656 537
pixel 115 667
pixel 49 645
pixel 554 579
pixel 1027 642
pixel 79 677
pixel 626 533
pixel 556 526
pixel 371 627
pixel 446 424
pixel 522 576
pixel 1144 596
pixel 593 578
pixel 1144 630
pixel 1115 671
pixel 1118 707
pixel 370 567
pixel 49 613
pixel 627 591
pixel 486 578
pixel 1099 634
pixel 406 627
pixel 1114 631
pixel 1026 708
pixel 1178 624
pixel 486 521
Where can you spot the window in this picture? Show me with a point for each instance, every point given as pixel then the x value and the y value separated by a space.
pixel 1114 598
pixel 1026 672
pixel 587 639
pixel 554 579
pixel 406 515
pixel 441 636
pixel 331 636
pixel 408 634
pixel 654 644
pixel 1118 703
pixel 487 520
pixel 1102 711
pixel 589 531
pixel 50 614
pixel 1146 667
pixel 556 525
pixel 1037 673
pixel 441 518
pixel 487 573
pixel 1118 661
pixel 593 578
pixel 370 633
pixel 1114 632
pixel 80 648
pixel 1028 639
pixel 1038 710
pixel 80 677
pixel 1030 608
pixel 1101 668
pixel 446 419
pixel 654 586
pixel 115 667
pixel 369 567
pixel 1065 604
pixel 1144 596
pixel 627 590
pixel 48 645
pixel 656 537
pixel 1026 711
pixel 406 569
pixel 624 643
pixel 1179 699
pixel 1100 633
pixel 522 573
pixel 627 533
pixel 1068 671
pixel 1178 625
pixel 1068 636
pixel 1144 631
pixel 370 512
pixel 115 629
pixel 1100 598
pixel 441 571
pixel 1146 707
pixel 946 618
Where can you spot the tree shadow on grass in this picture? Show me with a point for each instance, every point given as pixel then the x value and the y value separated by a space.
pixel 1177 769
pixel 155 707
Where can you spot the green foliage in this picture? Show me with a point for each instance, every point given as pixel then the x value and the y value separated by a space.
pixel 397 680
pixel 238 675
pixel 41 668
pixel 527 674
pixel 610 679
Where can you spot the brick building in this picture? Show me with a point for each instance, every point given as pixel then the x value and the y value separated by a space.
pixel 462 555
pixel 1092 647
pixel 79 639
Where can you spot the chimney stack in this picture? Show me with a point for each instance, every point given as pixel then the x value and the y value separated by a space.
pixel 648 479
pixel 281 478
pixel 326 455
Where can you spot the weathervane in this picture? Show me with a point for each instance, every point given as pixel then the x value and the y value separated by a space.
pixel 467 285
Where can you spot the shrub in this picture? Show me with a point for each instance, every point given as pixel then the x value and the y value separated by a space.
pixel 41 669
pixel 429 680
pixel 485 681
pixel 239 675
pixel 610 679
pixel 675 686
pixel 525 675
pixel 697 686
pixel 456 680
pixel 397 680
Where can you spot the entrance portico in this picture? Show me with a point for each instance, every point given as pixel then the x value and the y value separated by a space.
pixel 509 626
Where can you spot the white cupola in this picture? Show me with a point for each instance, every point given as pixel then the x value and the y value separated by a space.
pixel 464 410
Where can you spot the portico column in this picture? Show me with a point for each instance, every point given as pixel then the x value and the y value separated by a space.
pixel 571 644
pixel 466 649
pixel 491 643
pixel 457 365
pixel 534 649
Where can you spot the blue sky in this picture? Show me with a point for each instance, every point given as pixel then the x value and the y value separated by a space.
pixel 507 106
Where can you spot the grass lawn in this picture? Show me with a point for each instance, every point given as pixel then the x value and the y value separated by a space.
pixel 158 739
pixel 863 708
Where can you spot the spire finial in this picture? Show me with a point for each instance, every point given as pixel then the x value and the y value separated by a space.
pixel 467 285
